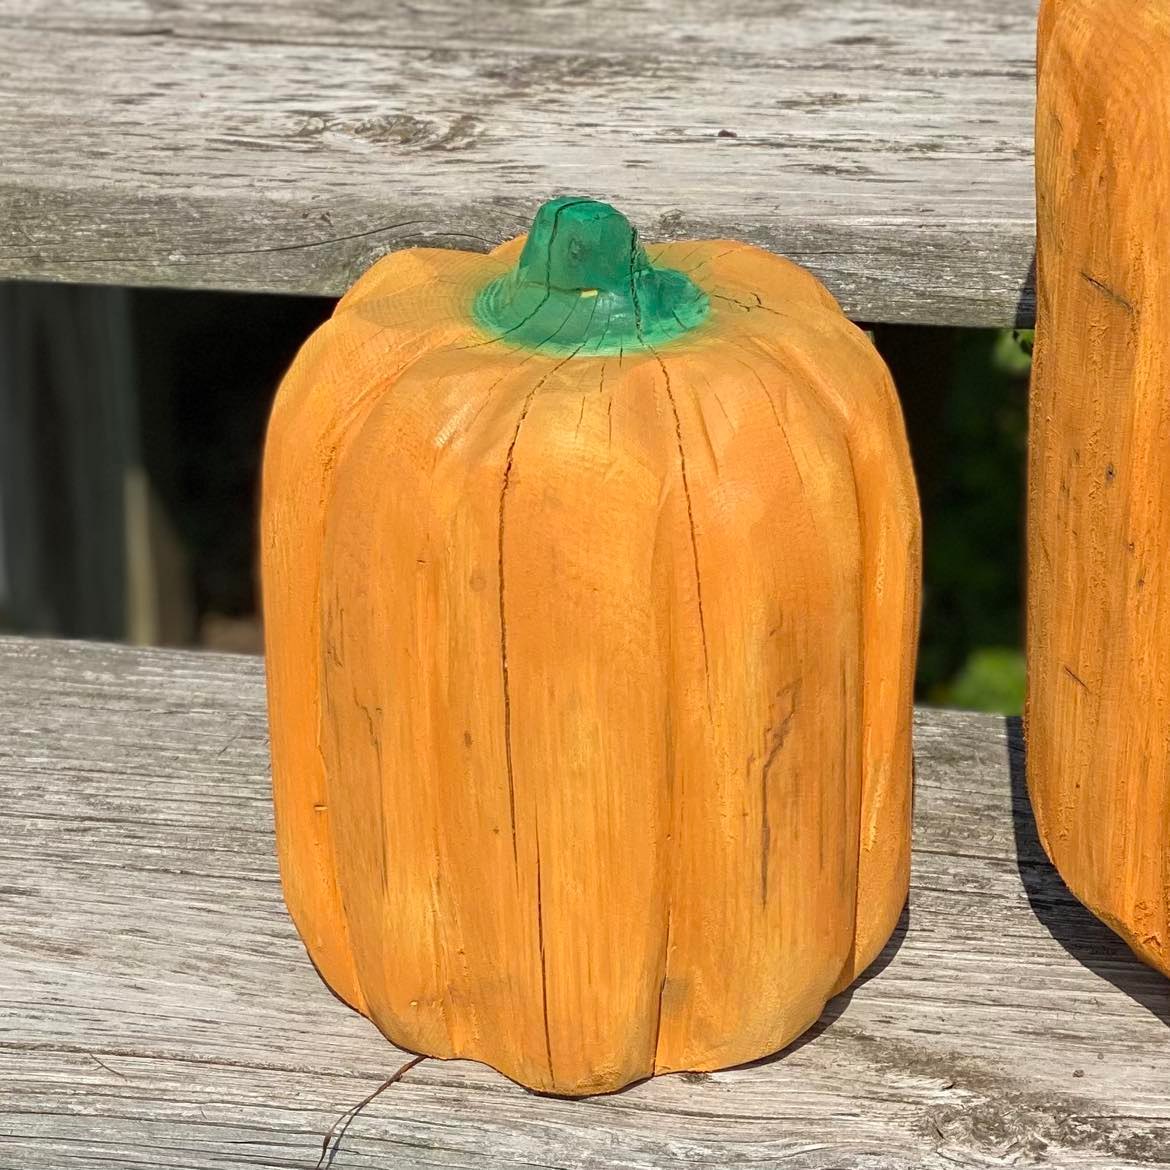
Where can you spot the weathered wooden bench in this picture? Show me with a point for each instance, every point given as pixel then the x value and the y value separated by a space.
pixel 885 144
pixel 156 1007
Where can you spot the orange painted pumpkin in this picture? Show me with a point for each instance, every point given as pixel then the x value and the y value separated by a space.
pixel 590 590
pixel 1099 479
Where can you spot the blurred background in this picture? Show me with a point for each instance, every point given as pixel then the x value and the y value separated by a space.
pixel 131 425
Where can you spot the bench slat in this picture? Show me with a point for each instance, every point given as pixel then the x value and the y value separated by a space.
pixel 884 143
pixel 156 1006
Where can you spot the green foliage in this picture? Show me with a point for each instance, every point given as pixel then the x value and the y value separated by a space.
pixel 992 679
pixel 1013 352
pixel 973 505
pixel 1026 340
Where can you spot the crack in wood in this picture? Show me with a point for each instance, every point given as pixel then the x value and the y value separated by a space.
pixel 1115 297
pixel 376 743
pixel 775 413
pixel 778 735
pixel 505 484
pixel 543 961
pixel 686 486
pixel 662 982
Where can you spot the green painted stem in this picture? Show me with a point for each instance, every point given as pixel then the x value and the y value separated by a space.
pixel 583 284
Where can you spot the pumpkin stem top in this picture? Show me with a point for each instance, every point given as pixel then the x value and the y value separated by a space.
pixel 584 284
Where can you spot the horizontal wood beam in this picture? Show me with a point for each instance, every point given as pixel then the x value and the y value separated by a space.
pixel 157 1008
pixel 886 144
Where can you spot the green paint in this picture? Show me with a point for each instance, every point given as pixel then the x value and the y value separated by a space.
pixel 583 284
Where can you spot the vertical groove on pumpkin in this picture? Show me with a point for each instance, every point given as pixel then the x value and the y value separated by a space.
pixel 779 734
pixel 775 414
pixel 684 478
pixel 669 849
pixel 824 394
pixel 847 971
pixel 508 756
pixel 686 486
pixel 540 947
pixel 662 985
pixel 507 479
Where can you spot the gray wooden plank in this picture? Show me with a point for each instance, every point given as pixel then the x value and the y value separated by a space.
pixel 157 1009
pixel 284 146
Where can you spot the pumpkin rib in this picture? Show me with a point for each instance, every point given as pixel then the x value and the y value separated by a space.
pixel 686 1048
pixel 853 415
pixel 318 798
pixel 510 394
pixel 682 474
pixel 538 463
pixel 777 744
pixel 507 713
pixel 371 974
pixel 686 487
pixel 298 394
pixel 846 973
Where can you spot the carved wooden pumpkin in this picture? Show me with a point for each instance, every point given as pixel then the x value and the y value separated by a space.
pixel 590 592
pixel 1099 482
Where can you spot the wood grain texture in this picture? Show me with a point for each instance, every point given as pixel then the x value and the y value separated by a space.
pixel 1099 482
pixel 884 145
pixel 157 1008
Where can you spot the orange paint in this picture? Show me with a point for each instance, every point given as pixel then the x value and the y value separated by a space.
pixel 590 676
